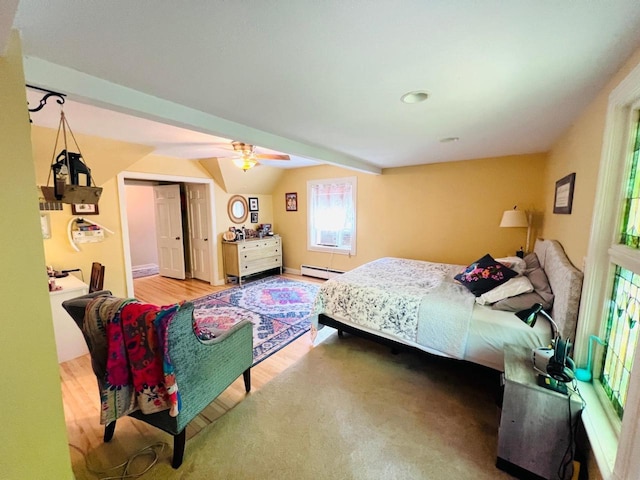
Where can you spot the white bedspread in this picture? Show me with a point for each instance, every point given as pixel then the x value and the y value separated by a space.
pixel 410 299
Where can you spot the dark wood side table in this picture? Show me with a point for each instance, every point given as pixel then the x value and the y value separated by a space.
pixel 536 424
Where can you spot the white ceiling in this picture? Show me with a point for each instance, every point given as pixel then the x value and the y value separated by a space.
pixel 323 79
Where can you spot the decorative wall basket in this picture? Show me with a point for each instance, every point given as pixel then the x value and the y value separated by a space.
pixel 73 194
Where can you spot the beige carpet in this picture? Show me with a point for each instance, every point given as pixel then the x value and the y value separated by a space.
pixel 352 410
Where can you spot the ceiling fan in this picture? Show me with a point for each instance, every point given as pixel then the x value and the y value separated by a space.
pixel 246 157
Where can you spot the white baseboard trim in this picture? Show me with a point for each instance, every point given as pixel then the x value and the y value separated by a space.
pixel 144 267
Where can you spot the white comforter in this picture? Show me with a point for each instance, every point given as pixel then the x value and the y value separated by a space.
pixel 409 299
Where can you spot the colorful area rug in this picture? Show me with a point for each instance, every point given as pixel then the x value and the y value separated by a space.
pixel 278 307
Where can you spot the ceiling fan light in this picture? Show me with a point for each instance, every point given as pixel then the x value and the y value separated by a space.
pixel 245 163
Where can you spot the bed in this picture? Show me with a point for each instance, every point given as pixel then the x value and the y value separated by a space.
pixel 417 304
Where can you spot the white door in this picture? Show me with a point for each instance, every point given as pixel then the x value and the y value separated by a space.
pixel 199 231
pixel 169 230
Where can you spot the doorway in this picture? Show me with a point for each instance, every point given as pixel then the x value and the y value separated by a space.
pixel 198 224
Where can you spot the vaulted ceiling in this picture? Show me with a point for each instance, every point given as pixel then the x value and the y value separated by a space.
pixel 323 80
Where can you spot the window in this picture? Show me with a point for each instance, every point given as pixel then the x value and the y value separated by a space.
pixel 332 215
pixel 623 311
pixel 611 273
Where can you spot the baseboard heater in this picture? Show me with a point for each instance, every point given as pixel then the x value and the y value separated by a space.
pixel 318 272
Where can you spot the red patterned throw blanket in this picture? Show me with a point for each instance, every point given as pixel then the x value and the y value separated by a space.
pixel 130 356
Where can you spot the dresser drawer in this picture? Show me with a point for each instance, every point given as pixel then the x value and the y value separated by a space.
pixel 252 245
pixel 261 264
pixel 255 254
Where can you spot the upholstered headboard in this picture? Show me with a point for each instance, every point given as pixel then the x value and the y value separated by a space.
pixel 566 284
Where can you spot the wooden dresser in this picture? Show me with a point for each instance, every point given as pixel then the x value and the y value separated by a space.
pixel 252 256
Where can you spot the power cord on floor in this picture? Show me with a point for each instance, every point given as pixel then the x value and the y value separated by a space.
pixel 566 465
pixel 155 450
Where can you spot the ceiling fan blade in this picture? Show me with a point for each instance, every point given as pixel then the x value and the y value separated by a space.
pixel 271 156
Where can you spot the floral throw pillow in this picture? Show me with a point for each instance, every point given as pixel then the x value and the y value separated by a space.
pixel 484 274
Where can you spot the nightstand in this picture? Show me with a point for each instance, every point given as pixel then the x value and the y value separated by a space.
pixel 535 430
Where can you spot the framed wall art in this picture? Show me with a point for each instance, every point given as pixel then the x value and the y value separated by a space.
pixel 84 209
pixel 253 204
pixel 254 217
pixel 291 200
pixel 563 200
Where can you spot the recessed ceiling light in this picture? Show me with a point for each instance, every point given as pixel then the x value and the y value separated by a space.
pixel 416 96
pixel 449 139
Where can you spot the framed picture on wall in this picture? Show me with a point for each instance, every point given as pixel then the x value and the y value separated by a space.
pixel 563 200
pixel 253 204
pixel 254 217
pixel 291 200
pixel 84 209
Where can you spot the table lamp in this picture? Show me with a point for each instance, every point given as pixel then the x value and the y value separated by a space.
pixel 530 315
pixel 516 218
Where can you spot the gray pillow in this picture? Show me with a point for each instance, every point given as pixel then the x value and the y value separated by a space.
pixel 531 260
pixel 541 294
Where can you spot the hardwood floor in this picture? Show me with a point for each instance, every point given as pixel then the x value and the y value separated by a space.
pixel 81 399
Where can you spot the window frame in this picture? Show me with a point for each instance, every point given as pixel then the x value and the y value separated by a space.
pixel 612 440
pixel 311 246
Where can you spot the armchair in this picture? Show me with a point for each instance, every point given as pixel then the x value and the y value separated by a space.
pixel 203 370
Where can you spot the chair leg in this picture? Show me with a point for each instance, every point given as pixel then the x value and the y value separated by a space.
pixel 247 379
pixel 108 431
pixel 340 333
pixel 179 441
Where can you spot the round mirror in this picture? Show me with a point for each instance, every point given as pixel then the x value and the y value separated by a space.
pixel 238 209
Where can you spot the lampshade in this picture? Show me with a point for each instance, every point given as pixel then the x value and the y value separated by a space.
pixel 245 163
pixel 514 218
pixel 530 315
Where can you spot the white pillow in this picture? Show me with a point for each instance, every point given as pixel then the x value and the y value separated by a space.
pixel 510 288
pixel 516 264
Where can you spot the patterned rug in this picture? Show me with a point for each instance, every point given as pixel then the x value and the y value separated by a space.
pixel 145 272
pixel 278 307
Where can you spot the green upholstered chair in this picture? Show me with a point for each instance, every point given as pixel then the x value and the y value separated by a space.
pixel 203 370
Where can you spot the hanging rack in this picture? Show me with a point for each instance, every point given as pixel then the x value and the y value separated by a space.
pixel 43 101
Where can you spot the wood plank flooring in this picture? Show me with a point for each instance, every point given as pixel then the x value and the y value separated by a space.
pixel 81 399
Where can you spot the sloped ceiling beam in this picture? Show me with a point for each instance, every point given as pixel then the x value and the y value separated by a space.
pixel 98 92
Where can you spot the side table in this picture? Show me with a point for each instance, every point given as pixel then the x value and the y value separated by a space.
pixel 536 424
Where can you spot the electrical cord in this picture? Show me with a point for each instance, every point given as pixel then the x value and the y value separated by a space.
pixel 569 454
pixel 154 450
pixel 75 270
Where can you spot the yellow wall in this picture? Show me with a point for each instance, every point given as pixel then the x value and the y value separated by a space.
pixel 579 150
pixel 191 168
pixel 34 441
pixel 110 253
pixel 265 215
pixel 106 158
pixel 168 166
pixel 447 212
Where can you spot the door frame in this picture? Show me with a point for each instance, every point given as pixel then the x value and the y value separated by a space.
pixel 122 199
